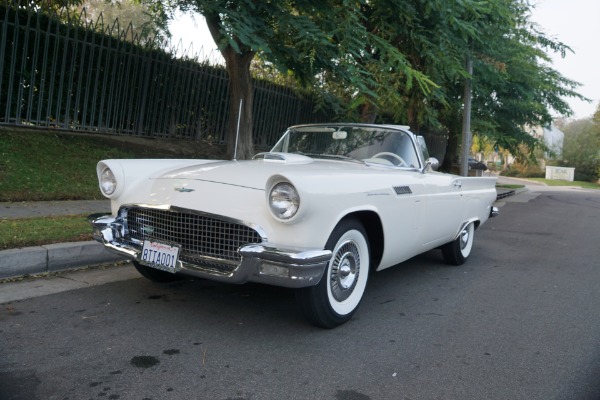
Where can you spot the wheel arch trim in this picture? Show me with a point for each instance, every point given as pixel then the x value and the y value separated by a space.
pixel 475 221
pixel 371 221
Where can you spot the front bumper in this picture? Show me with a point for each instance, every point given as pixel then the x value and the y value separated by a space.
pixel 259 263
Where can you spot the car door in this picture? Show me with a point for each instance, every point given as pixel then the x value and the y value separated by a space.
pixel 442 208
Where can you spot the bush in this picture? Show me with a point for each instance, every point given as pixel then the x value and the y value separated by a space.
pixel 581 149
pixel 517 170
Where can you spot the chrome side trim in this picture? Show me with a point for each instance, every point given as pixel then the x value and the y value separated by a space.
pixel 463 226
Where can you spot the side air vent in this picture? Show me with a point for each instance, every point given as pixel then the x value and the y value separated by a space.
pixel 287 158
pixel 402 190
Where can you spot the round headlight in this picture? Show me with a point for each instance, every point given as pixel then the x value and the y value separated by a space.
pixel 284 200
pixel 108 182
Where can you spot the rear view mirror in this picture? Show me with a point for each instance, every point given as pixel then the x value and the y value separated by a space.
pixel 340 135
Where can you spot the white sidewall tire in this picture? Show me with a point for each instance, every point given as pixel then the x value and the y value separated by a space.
pixel 348 306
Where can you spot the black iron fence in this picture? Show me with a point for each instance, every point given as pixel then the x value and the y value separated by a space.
pixel 86 76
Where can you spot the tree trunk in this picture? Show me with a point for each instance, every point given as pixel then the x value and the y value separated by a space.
pixel 454 124
pixel 411 118
pixel 240 89
pixel 451 150
pixel 239 144
pixel 368 113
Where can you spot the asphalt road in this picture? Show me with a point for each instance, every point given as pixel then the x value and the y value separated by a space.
pixel 520 320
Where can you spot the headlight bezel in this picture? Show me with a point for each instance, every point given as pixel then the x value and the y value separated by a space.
pixel 108 181
pixel 115 169
pixel 284 201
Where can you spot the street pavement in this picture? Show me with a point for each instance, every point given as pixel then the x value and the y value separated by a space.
pixel 518 321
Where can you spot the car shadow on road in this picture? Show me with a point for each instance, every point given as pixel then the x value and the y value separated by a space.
pixel 262 306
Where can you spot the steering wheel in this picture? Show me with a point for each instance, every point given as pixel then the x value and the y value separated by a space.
pixel 394 156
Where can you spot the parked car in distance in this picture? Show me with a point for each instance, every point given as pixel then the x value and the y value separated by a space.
pixel 328 205
pixel 478 165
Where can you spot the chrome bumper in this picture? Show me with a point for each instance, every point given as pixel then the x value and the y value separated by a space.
pixel 259 263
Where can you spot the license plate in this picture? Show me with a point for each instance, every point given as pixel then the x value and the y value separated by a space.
pixel 160 256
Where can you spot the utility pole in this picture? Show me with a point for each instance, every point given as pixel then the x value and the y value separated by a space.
pixel 466 128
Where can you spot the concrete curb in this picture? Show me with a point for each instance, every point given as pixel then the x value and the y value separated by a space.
pixel 504 193
pixel 53 258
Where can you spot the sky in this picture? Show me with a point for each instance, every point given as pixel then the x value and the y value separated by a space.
pixel 573 22
pixel 191 29
pixel 577 24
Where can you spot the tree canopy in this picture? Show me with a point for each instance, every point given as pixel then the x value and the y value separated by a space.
pixel 398 59
pixel 581 148
pixel 139 19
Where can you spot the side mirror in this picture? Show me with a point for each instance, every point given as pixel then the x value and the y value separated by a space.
pixel 432 164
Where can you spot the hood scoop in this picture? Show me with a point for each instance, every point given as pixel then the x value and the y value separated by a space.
pixel 284 158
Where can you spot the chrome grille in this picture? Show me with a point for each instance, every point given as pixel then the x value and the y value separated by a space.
pixel 204 240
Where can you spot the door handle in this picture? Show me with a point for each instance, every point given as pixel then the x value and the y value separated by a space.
pixel 457 184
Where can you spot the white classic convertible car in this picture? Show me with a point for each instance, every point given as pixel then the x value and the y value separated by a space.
pixel 329 204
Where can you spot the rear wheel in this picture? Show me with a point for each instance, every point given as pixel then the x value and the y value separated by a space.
pixel 155 275
pixel 457 251
pixel 337 296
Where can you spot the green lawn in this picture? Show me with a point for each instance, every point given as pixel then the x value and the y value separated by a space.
pixel 46 165
pixel 26 232
pixel 552 182
pixel 50 166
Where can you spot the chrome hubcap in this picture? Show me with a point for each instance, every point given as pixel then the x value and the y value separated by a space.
pixel 464 237
pixel 344 271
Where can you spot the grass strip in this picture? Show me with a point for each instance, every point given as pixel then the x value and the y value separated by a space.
pixel 554 182
pixel 15 233
pixel 38 166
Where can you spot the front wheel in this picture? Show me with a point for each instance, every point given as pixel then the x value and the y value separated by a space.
pixel 457 251
pixel 336 297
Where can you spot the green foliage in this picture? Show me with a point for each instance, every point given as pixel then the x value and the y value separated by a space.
pixel 326 44
pixel 400 61
pixel 513 84
pixel 581 149
pixel 137 21
pixel 518 170
pixel 135 17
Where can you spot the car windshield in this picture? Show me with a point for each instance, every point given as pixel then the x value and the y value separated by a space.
pixel 374 145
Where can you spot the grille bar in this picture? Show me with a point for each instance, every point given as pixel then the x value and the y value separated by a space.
pixel 204 239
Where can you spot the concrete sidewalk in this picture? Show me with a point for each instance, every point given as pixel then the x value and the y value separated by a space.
pixel 66 256
pixel 53 257
pixel 29 209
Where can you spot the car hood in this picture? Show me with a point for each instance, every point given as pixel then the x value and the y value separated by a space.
pixel 255 173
